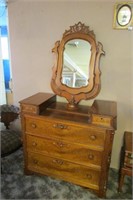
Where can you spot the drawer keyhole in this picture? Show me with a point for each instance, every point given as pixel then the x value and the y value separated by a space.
pixel 60 126
pixel 59 162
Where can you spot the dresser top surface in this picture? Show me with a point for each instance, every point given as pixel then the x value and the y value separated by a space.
pixel 37 99
pixel 103 107
pixel 99 107
pixel 47 105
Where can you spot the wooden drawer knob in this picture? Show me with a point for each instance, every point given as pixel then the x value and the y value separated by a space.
pixel 33 125
pixel 89 176
pixel 35 161
pixel 93 137
pixel 91 156
pixel 34 144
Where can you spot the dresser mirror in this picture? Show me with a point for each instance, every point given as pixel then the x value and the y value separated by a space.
pixel 76 59
pixel 76 73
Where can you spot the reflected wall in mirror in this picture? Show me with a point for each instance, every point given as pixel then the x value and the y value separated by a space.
pixel 76 73
pixel 76 59
pixel 123 15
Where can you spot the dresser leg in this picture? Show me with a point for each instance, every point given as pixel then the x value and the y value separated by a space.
pixel 102 194
pixel 121 181
pixel 27 172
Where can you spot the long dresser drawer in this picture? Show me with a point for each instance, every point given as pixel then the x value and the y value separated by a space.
pixel 63 169
pixel 78 134
pixel 62 149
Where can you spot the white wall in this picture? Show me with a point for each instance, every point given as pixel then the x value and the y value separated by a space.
pixel 34 28
pixel 2 80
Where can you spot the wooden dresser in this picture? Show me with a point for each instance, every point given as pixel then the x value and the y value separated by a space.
pixel 71 145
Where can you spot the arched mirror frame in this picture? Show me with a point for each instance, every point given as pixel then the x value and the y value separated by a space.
pixel 75 95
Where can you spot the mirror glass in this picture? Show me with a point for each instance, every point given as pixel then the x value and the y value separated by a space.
pixel 76 61
pixel 124 15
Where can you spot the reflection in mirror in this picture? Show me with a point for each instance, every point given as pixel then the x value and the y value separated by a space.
pixel 124 15
pixel 76 60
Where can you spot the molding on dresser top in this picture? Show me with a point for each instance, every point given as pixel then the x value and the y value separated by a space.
pixel 102 112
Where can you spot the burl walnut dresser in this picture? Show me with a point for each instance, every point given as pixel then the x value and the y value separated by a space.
pixel 72 145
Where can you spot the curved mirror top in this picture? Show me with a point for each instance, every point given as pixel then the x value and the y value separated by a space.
pixel 124 15
pixel 76 61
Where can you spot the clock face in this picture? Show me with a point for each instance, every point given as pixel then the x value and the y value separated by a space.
pixel 124 15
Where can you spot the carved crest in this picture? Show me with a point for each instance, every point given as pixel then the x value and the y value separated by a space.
pixel 79 28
